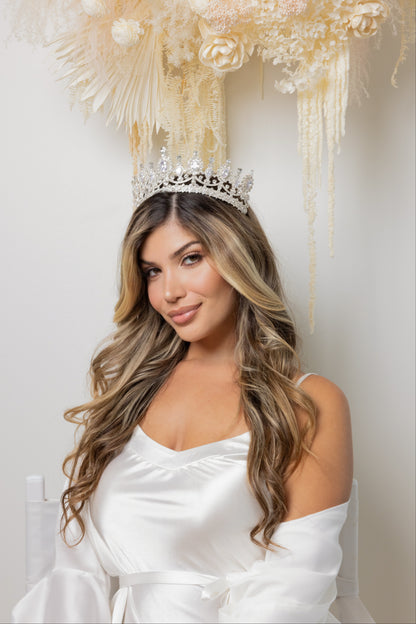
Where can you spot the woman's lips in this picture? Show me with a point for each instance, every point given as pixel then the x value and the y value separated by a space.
pixel 183 316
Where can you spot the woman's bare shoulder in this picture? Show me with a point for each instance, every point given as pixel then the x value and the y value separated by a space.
pixel 323 478
pixel 327 396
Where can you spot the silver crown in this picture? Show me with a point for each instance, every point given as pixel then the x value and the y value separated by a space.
pixel 175 178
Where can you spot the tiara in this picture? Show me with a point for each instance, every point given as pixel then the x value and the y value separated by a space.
pixel 175 178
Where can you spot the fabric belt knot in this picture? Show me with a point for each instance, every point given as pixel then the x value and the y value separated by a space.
pixel 215 589
pixel 221 585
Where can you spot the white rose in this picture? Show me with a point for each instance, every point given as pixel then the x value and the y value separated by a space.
pixel 367 17
pixel 126 32
pixel 224 51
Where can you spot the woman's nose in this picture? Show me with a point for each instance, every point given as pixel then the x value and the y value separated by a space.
pixel 173 286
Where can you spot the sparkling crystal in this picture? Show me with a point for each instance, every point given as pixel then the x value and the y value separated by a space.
pixel 210 169
pixel 164 162
pixel 225 170
pixel 179 167
pixel 142 174
pixel 195 164
pixel 237 177
pixel 247 183
pixel 250 181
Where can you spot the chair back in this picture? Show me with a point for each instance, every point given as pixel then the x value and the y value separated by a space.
pixel 41 529
pixel 347 607
pixel 347 579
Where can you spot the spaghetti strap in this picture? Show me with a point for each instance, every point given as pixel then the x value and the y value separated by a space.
pixel 299 381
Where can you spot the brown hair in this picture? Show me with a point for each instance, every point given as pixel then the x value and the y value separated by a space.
pixel 131 366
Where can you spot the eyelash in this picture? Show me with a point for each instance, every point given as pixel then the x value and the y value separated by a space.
pixel 194 254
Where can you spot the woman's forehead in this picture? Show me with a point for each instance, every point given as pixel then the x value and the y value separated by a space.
pixel 167 239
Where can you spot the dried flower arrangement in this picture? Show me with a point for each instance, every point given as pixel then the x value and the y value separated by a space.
pixel 161 64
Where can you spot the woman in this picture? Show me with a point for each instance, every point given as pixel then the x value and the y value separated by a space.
pixel 212 476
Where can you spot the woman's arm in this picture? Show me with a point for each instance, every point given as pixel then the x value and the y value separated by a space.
pixel 296 582
pixel 324 476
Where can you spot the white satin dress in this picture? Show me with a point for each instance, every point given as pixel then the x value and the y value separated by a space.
pixel 174 526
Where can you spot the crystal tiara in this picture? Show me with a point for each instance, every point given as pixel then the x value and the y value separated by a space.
pixel 175 178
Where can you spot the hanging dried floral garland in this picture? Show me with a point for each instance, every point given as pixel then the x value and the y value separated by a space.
pixel 160 64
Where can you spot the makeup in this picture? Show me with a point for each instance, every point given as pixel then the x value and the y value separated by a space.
pixel 184 314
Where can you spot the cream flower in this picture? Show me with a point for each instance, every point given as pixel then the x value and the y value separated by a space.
pixel 367 17
pixel 126 32
pixel 94 8
pixel 224 51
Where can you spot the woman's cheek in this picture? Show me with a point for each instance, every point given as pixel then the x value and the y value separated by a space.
pixel 205 281
pixel 154 296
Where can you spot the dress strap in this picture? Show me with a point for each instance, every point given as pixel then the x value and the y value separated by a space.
pixel 299 381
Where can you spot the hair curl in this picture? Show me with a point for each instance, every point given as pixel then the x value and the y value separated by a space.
pixel 130 367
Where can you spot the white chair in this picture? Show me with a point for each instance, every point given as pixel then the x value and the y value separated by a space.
pixel 41 523
pixel 347 607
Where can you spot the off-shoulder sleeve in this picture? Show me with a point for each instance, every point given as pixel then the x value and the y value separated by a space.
pixel 296 582
pixel 76 590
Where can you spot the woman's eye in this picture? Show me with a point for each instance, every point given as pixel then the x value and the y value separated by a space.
pixel 192 258
pixel 149 273
pixel 188 260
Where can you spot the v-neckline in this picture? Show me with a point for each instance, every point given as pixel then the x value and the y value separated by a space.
pixel 192 448
pixel 162 455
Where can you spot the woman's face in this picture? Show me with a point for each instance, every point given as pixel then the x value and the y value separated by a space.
pixel 184 285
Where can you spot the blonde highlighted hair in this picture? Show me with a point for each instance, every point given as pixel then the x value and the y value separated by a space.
pixel 131 366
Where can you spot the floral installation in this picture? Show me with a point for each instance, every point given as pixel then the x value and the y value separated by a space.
pixel 161 64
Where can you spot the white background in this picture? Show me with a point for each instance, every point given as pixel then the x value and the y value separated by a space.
pixel 65 202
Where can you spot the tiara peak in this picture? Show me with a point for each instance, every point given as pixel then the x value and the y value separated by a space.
pixel 222 183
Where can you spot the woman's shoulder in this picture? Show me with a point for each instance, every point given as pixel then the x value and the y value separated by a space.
pixel 326 395
pixel 324 477
pixel 333 419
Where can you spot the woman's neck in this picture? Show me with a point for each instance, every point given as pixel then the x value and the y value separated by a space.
pixel 213 349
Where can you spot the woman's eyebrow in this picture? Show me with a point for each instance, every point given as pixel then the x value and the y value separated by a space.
pixel 176 253
pixel 182 249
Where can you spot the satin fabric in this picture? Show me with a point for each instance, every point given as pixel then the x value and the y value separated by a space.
pixel 180 523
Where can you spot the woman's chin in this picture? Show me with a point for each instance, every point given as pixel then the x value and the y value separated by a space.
pixel 189 334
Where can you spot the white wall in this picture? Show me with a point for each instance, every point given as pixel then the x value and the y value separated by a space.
pixel 65 201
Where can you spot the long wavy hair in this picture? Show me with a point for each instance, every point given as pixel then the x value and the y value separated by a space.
pixel 129 368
